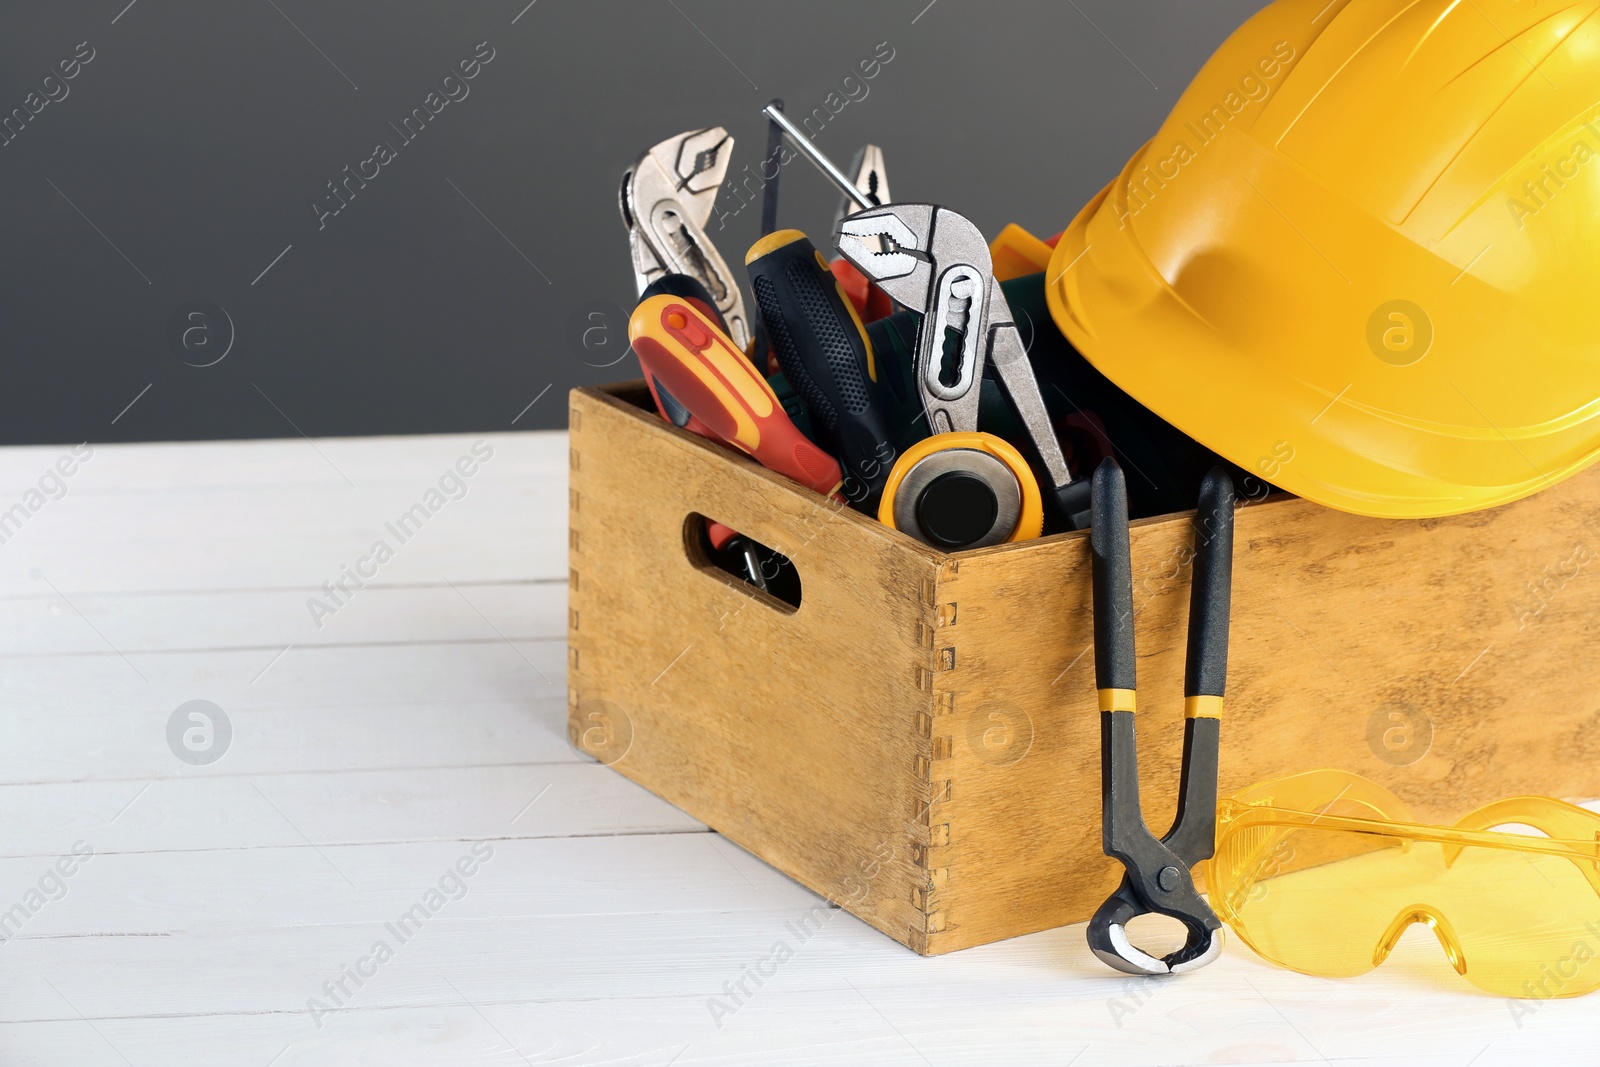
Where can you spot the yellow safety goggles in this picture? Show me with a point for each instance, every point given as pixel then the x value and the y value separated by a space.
pixel 1322 872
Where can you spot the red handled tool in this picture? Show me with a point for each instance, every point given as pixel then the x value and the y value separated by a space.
pixel 682 285
pixel 683 350
pixel 870 302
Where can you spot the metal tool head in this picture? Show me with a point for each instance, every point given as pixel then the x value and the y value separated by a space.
pixel 1157 878
pixel 870 179
pixel 890 246
pixel 903 247
pixel 666 199
pixel 688 168
pixel 935 262
pixel 1108 936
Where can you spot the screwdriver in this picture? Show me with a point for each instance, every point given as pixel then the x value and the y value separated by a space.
pixel 690 289
pixel 818 160
pixel 685 351
pixel 763 356
pixel 823 350
pixel 868 299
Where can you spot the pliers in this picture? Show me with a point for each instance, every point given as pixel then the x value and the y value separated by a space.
pixel 1157 877
pixel 935 262
pixel 666 199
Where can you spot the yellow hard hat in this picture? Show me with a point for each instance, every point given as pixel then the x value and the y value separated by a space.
pixel 1362 256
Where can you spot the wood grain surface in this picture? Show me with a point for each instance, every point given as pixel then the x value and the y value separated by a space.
pixel 941 709
pixel 430 714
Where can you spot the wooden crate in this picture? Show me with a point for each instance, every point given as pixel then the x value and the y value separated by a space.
pixel 919 740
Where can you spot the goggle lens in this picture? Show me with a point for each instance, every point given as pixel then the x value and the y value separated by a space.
pixel 1330 901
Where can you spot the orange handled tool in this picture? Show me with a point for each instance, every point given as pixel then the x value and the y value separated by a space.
pixel 707 374
pixel 681 285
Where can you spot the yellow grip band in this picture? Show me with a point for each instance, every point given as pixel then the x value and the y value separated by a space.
pixel 1116 699
pixel 1202 707
pixel 771 243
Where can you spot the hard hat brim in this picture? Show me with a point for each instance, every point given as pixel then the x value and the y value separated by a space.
pixel 1220 367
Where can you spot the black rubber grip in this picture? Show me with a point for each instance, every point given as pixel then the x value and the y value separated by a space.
pixel 1113 579
pixel 1193 836
pixel 1210 595
pixel 828 360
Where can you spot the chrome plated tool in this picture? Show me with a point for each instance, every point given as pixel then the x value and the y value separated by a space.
pixel 869 177
pixel 666 199
pixel 936 262
pixel 839 178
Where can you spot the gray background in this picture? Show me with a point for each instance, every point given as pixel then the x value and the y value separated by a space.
pixel 184 157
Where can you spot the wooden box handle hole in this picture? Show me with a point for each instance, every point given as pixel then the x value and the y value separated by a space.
pixel 761 573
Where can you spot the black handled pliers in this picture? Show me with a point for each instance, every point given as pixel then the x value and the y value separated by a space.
pixel 1158 870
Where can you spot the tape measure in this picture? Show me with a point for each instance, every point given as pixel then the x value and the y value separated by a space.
pixel 962 490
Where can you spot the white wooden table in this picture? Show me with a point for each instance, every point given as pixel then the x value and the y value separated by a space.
pixel 223 902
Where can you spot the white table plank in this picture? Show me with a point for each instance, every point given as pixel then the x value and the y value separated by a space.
pixel 371 752
pixel 199 891
pixel 100 624
pixel 318 810
pixel 123 528
pixel 611 986
pixel 168 467
pixel 794 1030
pixel 345 707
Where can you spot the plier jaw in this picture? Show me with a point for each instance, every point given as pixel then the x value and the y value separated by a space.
pixel 1157 879
pixel 891 247
pixel 935 262
pixel 666 201
pixel 1108 935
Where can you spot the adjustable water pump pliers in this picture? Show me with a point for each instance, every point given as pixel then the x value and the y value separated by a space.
pixel 1158 875
pixel 666 199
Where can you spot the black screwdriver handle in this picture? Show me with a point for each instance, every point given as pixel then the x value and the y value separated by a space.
pixel 823 350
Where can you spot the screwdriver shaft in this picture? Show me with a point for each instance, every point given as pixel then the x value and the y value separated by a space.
pixel 822 162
